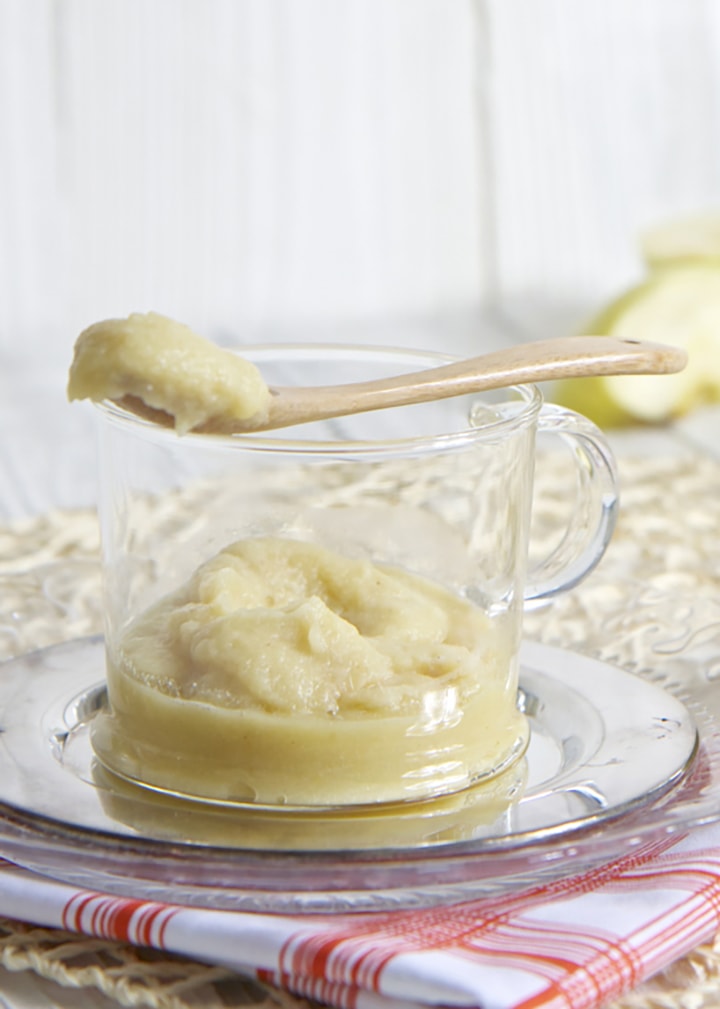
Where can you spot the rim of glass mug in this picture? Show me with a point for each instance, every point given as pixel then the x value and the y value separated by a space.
pixel 527 405
pixel 581 547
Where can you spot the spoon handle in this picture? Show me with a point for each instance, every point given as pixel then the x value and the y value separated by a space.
pixel 561 357
pixel 540 361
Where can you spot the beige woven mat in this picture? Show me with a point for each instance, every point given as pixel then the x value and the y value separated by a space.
pixel 653 602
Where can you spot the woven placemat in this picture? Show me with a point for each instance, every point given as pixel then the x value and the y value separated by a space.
pixel 653 604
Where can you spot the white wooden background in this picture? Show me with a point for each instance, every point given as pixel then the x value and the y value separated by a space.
pixel 380 169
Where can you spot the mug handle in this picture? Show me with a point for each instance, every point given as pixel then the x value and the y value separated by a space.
pixel 595 513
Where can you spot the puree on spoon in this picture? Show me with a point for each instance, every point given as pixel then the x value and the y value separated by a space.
pixel 169 368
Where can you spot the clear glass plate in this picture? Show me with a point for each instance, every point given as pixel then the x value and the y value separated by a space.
pixel 614 761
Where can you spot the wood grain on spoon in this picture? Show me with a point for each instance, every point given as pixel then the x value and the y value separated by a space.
pixel 540 361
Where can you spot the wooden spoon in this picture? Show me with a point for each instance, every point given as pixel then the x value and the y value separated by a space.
pixel 541 361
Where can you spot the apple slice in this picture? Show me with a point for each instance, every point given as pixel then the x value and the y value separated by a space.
pixel 683 241
pixel 679 306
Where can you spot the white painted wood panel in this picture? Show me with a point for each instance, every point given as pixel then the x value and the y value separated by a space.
pixel 30 201
pixel 604 118
pixel 371 169
pixel 249 164
pixel 243 163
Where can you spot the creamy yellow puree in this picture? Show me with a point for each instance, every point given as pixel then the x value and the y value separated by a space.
pixel 283 672
pixel 168 367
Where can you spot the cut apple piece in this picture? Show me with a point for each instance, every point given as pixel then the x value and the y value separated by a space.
pixel 683 241
pixel 678 306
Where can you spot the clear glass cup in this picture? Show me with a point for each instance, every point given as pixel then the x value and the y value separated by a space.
pixel 330 615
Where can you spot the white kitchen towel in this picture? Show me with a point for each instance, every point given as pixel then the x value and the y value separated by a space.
pixel 572 943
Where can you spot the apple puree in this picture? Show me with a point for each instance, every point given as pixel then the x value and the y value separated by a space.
pixel 284 672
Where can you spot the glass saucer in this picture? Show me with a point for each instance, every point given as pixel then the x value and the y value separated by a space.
pixel 614 761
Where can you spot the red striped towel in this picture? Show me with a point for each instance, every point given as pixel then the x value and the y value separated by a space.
pixel 569 944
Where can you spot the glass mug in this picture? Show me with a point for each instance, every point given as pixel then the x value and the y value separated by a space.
pixel 329 616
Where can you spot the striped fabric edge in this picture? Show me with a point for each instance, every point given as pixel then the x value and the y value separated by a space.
pixel 558 945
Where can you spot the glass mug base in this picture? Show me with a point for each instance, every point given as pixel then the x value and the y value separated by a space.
pixel 479 810
pixel 242 759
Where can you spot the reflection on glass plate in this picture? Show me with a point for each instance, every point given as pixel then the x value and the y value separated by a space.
pixel 614 761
